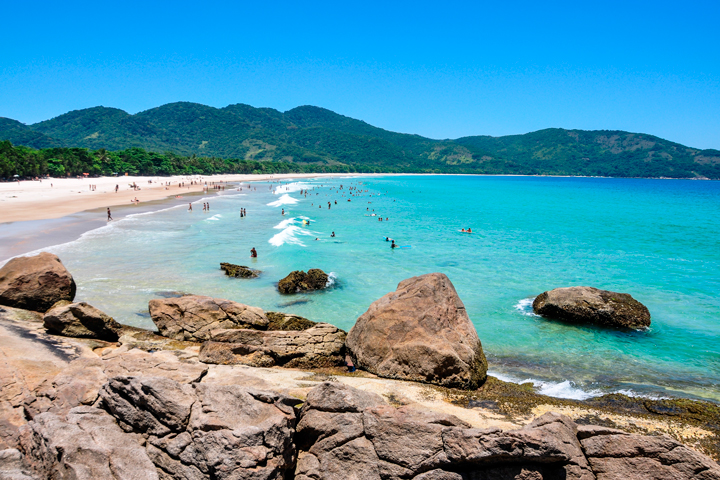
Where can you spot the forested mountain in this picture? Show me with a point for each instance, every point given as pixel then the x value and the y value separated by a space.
pixel 310 135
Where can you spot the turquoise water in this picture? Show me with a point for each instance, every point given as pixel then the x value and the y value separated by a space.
pixel 656 239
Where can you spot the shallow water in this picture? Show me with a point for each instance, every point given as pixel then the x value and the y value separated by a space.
pixel 655 239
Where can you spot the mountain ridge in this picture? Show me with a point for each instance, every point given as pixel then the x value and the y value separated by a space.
pixel 317 136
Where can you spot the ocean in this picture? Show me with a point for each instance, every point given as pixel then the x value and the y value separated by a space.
pixel 658 240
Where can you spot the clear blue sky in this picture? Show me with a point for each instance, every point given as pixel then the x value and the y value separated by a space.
pixel 440 69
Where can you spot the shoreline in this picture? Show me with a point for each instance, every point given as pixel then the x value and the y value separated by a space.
pixel 52 198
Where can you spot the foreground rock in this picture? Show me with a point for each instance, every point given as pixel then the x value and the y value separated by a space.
pixel 346 433
pixel 420 332
pixel 81 320
pixel 239 271
pixel 193 317
pixel 206 431
pixel 591 305
pixel 316 347
pixel 299 281
pixel 85 444
pixel 35 283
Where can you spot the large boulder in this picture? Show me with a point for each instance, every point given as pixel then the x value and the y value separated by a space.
pixel 83 321
pixel 193 317
pixel 35 283
pixel 420 332
pixel 299 281
pixel 591 305
pixel 199 431
pixel 319 346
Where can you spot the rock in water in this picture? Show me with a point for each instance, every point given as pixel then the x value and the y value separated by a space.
pixel 299 281
pixel 590 305
pixel 420 332
pixel 81 320
pixel 35 283
pixel 240 271
pixel 192 317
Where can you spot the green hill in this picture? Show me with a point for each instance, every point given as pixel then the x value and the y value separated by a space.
pixel 316 136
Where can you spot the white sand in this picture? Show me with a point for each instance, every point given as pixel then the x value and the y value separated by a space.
pixel 57 197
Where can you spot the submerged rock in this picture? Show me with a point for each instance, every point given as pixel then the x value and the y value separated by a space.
pixel 591 305
pixel 240 271
pixel 81 320
pixel 319 346
pixel 35 283
pixel 299 281
pixel 193 317
pixel 287 321
pixel 420 332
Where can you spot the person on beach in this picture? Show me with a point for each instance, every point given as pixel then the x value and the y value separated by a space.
pixel 117 187
pixel 253 253
pixel 109 215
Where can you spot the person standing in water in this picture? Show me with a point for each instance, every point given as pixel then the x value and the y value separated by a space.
pixel 109 215
pixel 253 253
pixel 392 245
pixel 190 205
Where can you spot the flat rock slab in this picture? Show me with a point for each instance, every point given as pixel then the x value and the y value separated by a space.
pixel 593 306
pixel 319 346
pixel 193 317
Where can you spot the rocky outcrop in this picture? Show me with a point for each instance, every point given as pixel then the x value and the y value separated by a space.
pixel 420 332
pixel 85 444
pixel 590 305
pixel 35 283
pixel 239 271
pixel 299 281
pixel 346 433
pixel 193 317
pixel 319 346
pixel 202 431
pixel 81 320
pixel 286 321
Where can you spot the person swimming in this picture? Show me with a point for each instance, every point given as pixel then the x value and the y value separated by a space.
pixel 253 253
pixel 392 245
pixel 332 234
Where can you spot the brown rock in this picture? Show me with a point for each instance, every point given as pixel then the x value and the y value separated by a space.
pixel 193 317
pixel 85 444
pixel 35 283
pixel 420 332
pixel 624 456
pixel 319 346
pixel 286 321
pixel 239 271
pixel 81 320
pixel 590 305
pixel 299 281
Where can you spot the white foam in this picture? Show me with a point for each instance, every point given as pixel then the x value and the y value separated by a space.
pixel 215 217
pixel 291 187
pixel 283 200
pixel 566 389
pixel 285 223
pixel 332 278
pixel 524 306
pixel 290 235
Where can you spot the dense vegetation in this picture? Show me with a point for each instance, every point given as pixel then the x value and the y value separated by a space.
pixel 243 139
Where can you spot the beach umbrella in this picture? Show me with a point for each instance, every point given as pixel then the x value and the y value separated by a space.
pixel 16 176
pixel 86 174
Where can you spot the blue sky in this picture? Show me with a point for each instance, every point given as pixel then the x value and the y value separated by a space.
pixel 438 69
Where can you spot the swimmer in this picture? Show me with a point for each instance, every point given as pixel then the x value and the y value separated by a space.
pixel 463 230
pixel 332 234
pixel 392 245
pixel 253 253
pixel 469 230
pixel 283 211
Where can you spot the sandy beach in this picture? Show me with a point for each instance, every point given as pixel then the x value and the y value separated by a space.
pixel 57 197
